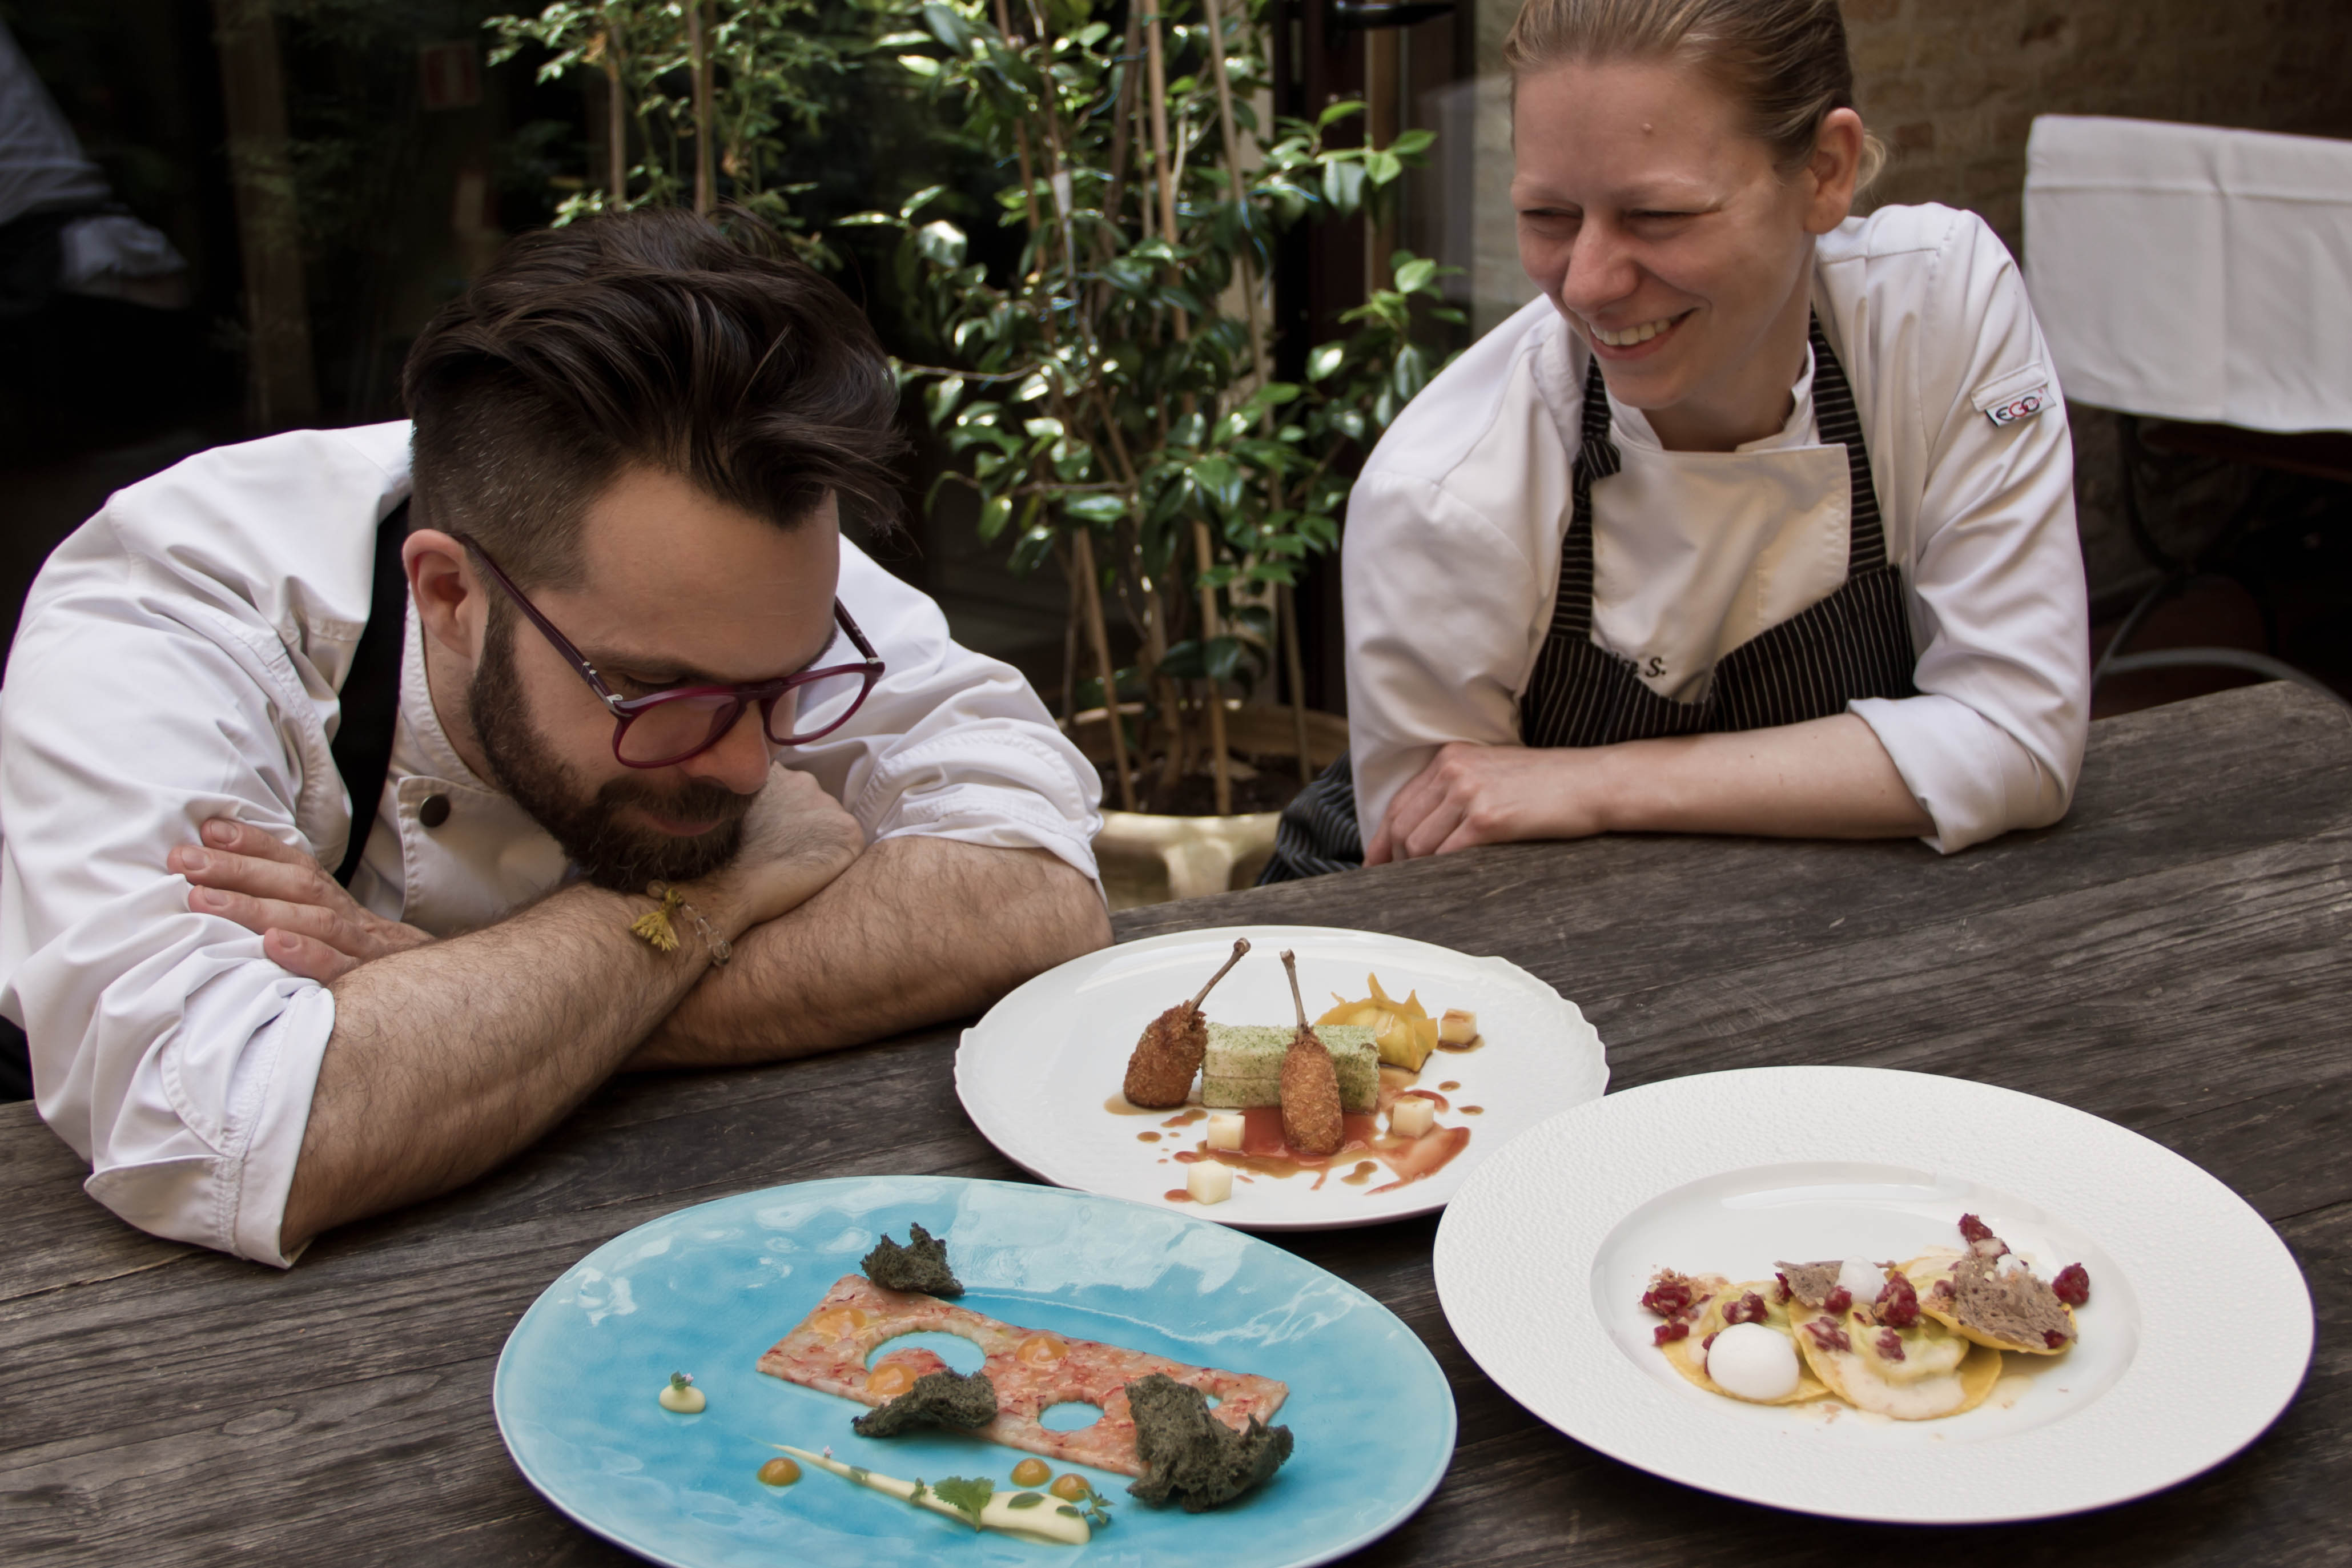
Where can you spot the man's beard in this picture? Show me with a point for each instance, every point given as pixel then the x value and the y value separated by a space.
pixel 611 854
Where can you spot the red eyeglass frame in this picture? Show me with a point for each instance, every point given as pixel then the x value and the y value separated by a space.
pixel 627 710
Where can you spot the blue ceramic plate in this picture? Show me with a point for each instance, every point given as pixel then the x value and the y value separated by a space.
pixel 708 1290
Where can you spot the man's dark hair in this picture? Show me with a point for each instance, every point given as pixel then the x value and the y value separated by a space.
pixel 653 339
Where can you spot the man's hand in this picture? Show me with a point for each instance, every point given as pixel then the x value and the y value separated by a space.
pixel 308 923
pixel 1471 794
pixel 797 840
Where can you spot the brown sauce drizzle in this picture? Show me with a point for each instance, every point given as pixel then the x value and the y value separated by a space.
pixel 1186 1118
pixel 1118 1106
pixel 1474 1110
pixel 1475 1041
pixel 1147 1137
pixel 1177 1196
pixel 1451 1083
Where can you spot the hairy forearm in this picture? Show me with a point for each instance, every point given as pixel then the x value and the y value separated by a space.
pixel 916 930
pixel 446 1060
pixel 1828 778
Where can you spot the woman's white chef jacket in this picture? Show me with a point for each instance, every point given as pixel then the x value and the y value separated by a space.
pixel 178 659
pixel 1452 554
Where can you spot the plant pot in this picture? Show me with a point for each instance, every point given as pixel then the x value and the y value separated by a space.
pixel 1148 857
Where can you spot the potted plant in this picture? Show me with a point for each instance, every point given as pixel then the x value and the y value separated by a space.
pixel 1113 391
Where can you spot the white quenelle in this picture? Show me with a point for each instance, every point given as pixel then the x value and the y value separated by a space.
pixel 1753 1362
pixel 1865 1278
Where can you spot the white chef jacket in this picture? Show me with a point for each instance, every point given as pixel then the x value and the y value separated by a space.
pixel 179 658
pixel 1452 548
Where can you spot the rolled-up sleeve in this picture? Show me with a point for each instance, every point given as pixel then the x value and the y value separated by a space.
pixel 167 1051
pixel 1994 741
pixel 951 743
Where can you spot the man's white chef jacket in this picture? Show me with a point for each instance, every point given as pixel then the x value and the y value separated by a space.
pixel 178 659
pixel 1452 555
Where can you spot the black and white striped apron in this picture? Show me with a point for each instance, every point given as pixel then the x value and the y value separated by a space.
pixel 1855 643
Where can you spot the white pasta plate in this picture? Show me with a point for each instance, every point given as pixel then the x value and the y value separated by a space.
pixel 1543 1256
pixel 1041 1074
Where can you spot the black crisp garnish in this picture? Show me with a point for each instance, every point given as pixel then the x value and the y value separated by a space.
pixel 922 1265
pixel 1189 1456
pixel 947 1399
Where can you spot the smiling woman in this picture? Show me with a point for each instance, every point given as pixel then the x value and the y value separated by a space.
pixel 1731 531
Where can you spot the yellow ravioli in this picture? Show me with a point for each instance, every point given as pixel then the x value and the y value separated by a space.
pixel 1928 1267
pixel 1688 1357
pixel 1940 1373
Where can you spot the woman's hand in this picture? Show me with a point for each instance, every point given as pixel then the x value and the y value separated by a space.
pixel 1471 794
pixel 309 925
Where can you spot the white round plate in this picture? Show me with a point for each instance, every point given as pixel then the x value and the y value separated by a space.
pixel 2195 1338
pixel 1038 1074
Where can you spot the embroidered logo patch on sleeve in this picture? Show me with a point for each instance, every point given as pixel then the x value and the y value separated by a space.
pixel 2024 406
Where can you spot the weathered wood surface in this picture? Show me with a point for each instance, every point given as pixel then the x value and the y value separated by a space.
pixel 2172 957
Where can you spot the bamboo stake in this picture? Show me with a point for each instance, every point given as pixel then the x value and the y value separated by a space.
pixel 617 116
pixel 1209 629
pixel 1285 608
pixel 1021 134
pixel 1082 547
pixel 697 45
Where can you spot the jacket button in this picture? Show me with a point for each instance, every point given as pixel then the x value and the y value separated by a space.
pixel 435 811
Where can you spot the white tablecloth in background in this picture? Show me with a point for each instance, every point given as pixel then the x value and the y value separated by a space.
pixel 2192 273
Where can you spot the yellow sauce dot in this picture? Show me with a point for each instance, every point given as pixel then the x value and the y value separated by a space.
pixel 1031 1473
pixel 1071 1487
pixel 889 1380
pixel 779 1472
pixel 1041 1350
pixel 838 1321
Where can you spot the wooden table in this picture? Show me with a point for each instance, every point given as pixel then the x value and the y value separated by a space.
pixel 2172 957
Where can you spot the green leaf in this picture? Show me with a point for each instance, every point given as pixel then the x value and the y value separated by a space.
pixel 1325 360
pixel 1224 657
pixel 941 243
pixel 1412 142
pixel 1032 387
pixel 915 202
pixel 1183 661
pixel 1101 508
pixel 939 401
pixel 1338 112
pixel 1382 168
pixel 1343 186
pixel 946 26
pixel 867 220
pixel 1028 1499
pixel 1415 275
pixel 1035 546
pixel 994 513
pixel 1218 479
pixel 920 64
pixel 1066 1510
pixel 966 1497
pixel 1046 427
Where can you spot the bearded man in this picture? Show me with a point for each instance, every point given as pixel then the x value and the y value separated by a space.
pixel 655 768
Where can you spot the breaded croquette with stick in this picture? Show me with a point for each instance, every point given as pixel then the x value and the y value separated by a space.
pixel 1312 1120
pixel 1159 1073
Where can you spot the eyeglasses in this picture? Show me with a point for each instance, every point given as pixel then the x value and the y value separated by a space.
pixel 668 726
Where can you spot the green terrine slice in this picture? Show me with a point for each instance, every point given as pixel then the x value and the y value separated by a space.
pixel 1244 1065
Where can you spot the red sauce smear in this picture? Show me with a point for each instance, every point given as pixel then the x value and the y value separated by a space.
pixel 1263 1150
pixel 1177 1196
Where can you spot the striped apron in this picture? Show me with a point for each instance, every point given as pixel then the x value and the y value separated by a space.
pixel 1855 643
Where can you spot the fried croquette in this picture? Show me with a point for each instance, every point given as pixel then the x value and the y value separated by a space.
pixel 1159 1073
pixel 1312 1120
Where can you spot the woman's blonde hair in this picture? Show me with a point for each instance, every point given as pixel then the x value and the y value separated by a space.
pixel 1784 60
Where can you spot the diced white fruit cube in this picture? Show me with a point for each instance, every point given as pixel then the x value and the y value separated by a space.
pixel 1225 1131
pixel 1413 1116
pixel 1210 1181
pixel 1457 1027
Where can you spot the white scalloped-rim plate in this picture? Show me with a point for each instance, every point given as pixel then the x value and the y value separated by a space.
pixel 1035 1073
pixel 1542 1257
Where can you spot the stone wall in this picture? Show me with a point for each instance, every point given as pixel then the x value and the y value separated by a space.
pixel 1952 87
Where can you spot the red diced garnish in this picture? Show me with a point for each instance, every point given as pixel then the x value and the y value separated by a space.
pixel 1669 1296
pixel 1667 1333
pixel 1898 1304
pixel 1839 1299
pixel 1981 1238
pixel 1708 1343
pixel 1784 1294
pixel 2072 1284
pixel 2054 1338
pixel 1890 1344
pixel 1828 1335
pixel 1943 1290
pixel 1749 1309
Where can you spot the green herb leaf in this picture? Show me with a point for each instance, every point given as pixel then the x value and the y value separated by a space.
pixel 966 1497
pixel 1067 1511
pixel 1025 1499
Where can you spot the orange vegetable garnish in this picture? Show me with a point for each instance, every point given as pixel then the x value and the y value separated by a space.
pixel 889 1380
pixel 840 1320
pixel 1041 1350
